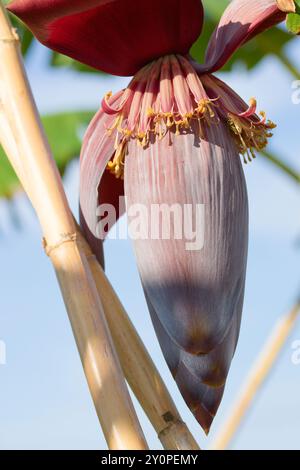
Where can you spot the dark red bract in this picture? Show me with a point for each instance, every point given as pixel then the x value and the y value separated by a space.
pixel 115 36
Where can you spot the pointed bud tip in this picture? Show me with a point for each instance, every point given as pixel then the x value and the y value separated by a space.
pixel 204 418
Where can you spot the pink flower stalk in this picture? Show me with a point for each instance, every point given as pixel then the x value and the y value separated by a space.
pixel 173 136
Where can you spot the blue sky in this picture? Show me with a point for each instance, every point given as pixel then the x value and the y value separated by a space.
pixel 45 403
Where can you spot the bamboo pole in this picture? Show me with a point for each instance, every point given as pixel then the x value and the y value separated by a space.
pixel 31 158
pixel 138 367
pixel 256 378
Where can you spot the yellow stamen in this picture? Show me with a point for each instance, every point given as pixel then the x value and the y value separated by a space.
pixel 116 166
pixel 249 133
pixel 250 137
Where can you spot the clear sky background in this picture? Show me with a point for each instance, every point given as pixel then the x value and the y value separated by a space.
pixel 45 403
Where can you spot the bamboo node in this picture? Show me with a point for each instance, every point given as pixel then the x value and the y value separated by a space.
pixel 168 417
pixel 64 238
pixel 13 38
pixel 170 424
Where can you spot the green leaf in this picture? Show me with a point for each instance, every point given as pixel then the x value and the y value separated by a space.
pixel 64 132
pixel 293 20
pixel 215 9
pixel 26 41
pixel 282 166
pixel 60 60
pixel 9 183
